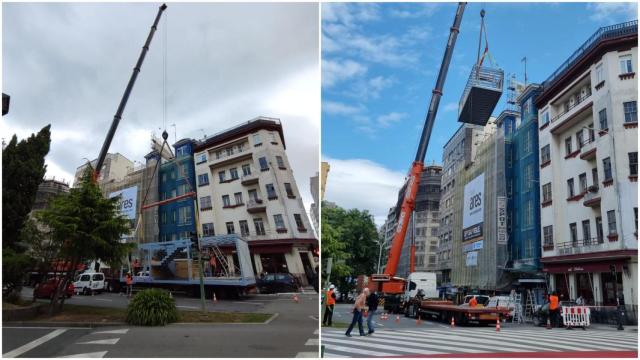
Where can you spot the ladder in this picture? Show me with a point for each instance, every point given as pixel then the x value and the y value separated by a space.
pixel 222 261
pixel 516 300
pixel 529 306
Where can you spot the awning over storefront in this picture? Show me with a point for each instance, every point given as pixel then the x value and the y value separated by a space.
pixel 583 267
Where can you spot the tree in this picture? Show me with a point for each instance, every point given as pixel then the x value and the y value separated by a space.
pixel 333 248
pixel 13 271
pixel 23 169
pixel 86 226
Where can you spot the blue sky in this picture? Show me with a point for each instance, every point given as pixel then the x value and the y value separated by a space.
pixel 379 64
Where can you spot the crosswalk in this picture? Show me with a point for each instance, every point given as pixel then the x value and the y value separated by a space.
pixel 404 342
pixel 312 343
pixel 98 338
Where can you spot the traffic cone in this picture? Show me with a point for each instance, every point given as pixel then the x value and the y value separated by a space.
pixel 497 324
pixel 548 323
pixel 453 322
pixel 295 298
pixel 215 299
pixel 397 319
pixel 418 320
pixel 170 295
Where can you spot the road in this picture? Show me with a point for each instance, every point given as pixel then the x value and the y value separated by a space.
pixel 408 338
pixel 292 333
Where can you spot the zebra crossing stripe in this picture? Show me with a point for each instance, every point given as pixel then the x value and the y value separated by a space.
pixel 452 338
pixel 418 345
pixel 332 355
pixel 553 338
pixel 379 346
pixel 361 352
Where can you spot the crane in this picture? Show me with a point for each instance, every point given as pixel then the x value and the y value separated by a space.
pixel 388 283
pixel 125 96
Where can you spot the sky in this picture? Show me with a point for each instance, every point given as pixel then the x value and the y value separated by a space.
pixel 380 63
pixel 68 65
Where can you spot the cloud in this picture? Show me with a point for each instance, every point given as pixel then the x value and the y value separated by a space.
pixel 349 14
pixel 335 71
pixel 613 12
pixel 387 120
pixel 364 185
pixel 450 107
pixel 411 11
pixel 338 108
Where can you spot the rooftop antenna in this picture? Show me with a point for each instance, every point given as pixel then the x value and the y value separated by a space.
pixel 524 60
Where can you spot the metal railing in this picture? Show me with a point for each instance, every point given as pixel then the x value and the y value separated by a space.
pixel 579 101
pixel 580 243
pixel 607 32
pixel 483 77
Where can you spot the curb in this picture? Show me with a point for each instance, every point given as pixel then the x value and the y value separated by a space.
pixel 62 324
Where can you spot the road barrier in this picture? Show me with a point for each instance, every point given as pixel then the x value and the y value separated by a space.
pixel 576 316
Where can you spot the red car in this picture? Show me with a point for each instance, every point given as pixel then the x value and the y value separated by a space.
pixel 47 289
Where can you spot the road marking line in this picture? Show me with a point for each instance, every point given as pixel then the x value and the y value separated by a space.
pixel 313 318
pixel 309 354
pixel 360 351
pixel 272 318
pixel 45 327
pixel 33 344
pixel 187 307
pixel 316 331
pixel 99 354
pixel 100 342
pixel 118 331
pixel 248 302
pixel 312 342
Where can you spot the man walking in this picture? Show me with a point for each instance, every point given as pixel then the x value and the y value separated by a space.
pixel 330 303
pixel 358 308
pixel 372 303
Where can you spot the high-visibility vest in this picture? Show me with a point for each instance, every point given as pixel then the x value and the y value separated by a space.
pixel 129 280
pixel 330 299
pixel 553 302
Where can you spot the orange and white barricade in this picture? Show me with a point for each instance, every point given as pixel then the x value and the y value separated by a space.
pixel 576 316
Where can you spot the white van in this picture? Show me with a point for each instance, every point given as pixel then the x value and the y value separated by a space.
pixel 89 282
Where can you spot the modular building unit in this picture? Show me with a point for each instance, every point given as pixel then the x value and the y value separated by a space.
pixel 481 95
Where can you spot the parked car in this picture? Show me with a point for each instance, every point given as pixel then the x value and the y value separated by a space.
pixel 89 282
pixel 279 282
pixel 48 288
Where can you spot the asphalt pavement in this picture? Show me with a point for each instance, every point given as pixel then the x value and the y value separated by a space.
pixel 291 332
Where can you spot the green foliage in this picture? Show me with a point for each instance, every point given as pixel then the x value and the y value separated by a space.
pixel 23 169
pixel 14 270
pixel 351 235
pixel 152 307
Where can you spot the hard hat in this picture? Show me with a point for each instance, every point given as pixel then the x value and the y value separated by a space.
pixel 332 286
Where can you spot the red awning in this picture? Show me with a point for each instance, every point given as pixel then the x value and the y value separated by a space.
pixel 270 249
pixel 583 267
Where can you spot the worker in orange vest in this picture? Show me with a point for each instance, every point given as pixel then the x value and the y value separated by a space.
pixel 330 303
pixel 554 308
pixel 129 280
pixel 473 302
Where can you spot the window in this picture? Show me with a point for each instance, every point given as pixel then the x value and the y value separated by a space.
pixel 201 158
pixel 181 151
pixel 279 221
pixel 528 214
pixel 586 232
pixel 633 163
pixel 289 190
pixel 573 233
pixel 606 165
pixel 256 140
pixel 233 172
pixel 528 141
pixel 205 203
pixel 546 192
pixel 594 176
pixel 259 225
pixel 548 235
pixel 299 222
pixel 230 228
pixel 280 162
pixel 630 112
pixel 592 133
pixel 229 150
pixel 244 228
pixel 207 229
pixel 225 201
pixel 545 154
pixel 253 194
pixel 570 191
pixel 626 64
pixel 246 170
pixel 599 73
pixel 238 197
pixel 272 136
pixel 579 139
pixel 222 176
pixel 184 215
pixel 174 217
pixel 271 192
pixel 528 177
pixel 602 115
pixel 582 179
pixel 164 218
pixel 567 146
pixel 264 166
pixel 545 117
pixel 611 218
pixel 218 154
pixel 164 177
pixel 203 179
pixel 599 232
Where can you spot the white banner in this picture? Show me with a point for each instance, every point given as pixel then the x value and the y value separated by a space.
pixel 502 220
pixel 128 198
pixel 473 246
pixel 473 208
pixel 472 258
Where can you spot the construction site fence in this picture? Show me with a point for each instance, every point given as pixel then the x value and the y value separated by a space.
pixel 609 314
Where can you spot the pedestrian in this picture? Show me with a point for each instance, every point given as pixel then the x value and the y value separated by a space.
pixel 554 308
pixel 129 281
pixel 473 302
pixel 213 265
pixel 580 301
pixel 372 303
pixel 358 308
pixel 330 303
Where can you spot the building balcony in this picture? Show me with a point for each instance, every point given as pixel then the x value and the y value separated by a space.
pixel 256 206
pixel 573 113
pixel 592 197
pixel 226 159
pixel 583 246
pixel 249 179
pixel 588 150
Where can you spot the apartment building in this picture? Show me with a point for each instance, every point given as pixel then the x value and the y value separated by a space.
pixel 115 167
pixel 48 189
pixel 588 139
pixel 245 186
pixel 314 187
pixel 457 154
